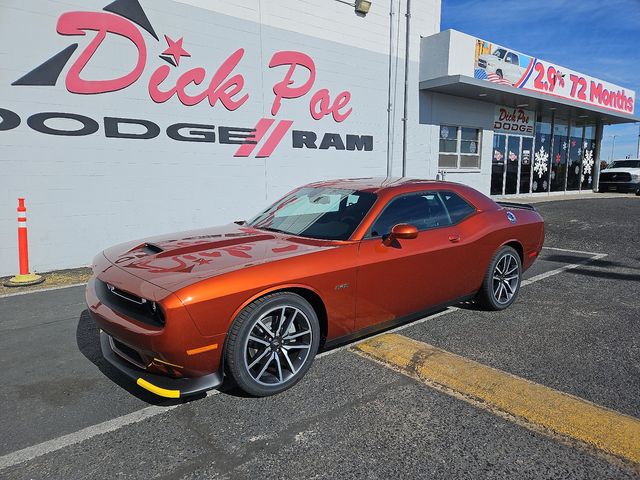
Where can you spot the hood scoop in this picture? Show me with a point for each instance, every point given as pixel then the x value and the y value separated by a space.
pixel 151 248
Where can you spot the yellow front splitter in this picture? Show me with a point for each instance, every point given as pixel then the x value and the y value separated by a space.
pixel 163 392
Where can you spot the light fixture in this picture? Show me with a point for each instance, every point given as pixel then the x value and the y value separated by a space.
pixel 522 105
pixel 552 108
pixel 583 116
pixel 482 94
pixel 363 6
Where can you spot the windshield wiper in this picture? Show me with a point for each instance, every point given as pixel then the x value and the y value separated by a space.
pixel 276 230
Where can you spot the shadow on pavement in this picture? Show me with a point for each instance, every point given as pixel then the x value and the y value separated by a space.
pixel 570 259
pixel 629 277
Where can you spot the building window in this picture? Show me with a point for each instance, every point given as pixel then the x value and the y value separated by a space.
pixel 459 147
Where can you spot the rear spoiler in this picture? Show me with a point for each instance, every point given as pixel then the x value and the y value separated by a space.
pixel 521 206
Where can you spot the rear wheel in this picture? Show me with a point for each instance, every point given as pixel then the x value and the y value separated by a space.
pixel 272 343
pixel 502 280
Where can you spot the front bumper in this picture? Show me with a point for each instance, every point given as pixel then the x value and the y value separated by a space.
pixel 618 187
pixel 171 358
pixel 159 384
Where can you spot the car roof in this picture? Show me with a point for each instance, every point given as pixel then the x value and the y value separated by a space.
pixel 392 186
pixel 379 184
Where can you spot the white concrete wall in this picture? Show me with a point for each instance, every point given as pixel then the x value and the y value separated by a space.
pixel 88 192
pixel 439 109
pixel 447 53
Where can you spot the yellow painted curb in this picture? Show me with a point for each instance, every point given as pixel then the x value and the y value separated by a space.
pixel 600 427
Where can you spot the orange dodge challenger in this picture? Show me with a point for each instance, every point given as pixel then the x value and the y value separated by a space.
pixel 328 262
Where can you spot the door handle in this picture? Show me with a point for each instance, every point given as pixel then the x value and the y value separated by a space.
pixel 454 238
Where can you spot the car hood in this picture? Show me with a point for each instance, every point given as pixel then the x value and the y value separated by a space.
pixel 489 57
pixel 635 171
pixel 175 261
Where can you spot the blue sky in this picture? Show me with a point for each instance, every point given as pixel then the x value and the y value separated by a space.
pixel 595 37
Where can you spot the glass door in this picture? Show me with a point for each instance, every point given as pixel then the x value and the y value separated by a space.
pixel 559 155
pixel 497 164
pixel 588 157
pixel 541 160
pixel 574 164
pixel 525 165
pixel 512 162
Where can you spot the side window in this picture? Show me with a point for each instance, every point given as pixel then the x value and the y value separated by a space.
pixel 423 210
pixel 512 58
pixel 457 207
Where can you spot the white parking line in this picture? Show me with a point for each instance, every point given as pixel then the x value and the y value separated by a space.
pixel 573 251
pixel 571 266
pixel 80 436
pixel 49 446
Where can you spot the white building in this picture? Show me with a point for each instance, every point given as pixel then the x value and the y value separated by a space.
pixel 132 118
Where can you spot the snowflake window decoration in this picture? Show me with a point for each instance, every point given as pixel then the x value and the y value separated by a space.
pixel 564 145
pixel 588 162
pixel 540 163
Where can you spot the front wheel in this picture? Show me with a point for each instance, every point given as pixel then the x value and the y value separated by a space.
pixel 272 343
pixel 502 281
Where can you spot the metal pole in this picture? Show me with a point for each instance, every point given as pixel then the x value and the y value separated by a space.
pixel 638 149
pixel 406 90
pixel 613 144
pixel 389 100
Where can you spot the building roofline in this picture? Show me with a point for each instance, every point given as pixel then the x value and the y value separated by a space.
pixel 482 90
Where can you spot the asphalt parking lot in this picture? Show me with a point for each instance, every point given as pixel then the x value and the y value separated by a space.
pixel 575 328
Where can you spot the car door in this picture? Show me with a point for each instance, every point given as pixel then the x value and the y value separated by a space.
pixel 409 276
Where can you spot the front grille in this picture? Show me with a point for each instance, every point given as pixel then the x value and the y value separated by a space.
pixel 130 305
pixel 615 177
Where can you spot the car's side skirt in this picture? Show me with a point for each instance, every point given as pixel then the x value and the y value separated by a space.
pixel 370 330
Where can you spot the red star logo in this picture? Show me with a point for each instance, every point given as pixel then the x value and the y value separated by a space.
pixel 175 49
pixel 558 158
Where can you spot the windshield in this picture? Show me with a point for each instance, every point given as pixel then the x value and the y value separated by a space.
pixel 625 164
pixel 317 212
pixel 500 52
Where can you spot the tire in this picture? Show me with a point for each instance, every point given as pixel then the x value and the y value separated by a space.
pixel 638 192
pixel 502 281
pixel 266 355
pixel 499 73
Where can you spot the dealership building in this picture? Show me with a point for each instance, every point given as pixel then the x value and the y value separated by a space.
pixel 125 119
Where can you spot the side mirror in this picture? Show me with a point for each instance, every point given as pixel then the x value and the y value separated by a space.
pixel 401 231
pixel 404 231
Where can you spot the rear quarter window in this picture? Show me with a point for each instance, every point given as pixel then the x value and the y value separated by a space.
pixel 458 208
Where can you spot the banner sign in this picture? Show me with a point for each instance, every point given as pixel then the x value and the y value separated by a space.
pixel 514 120
pixel 509 67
